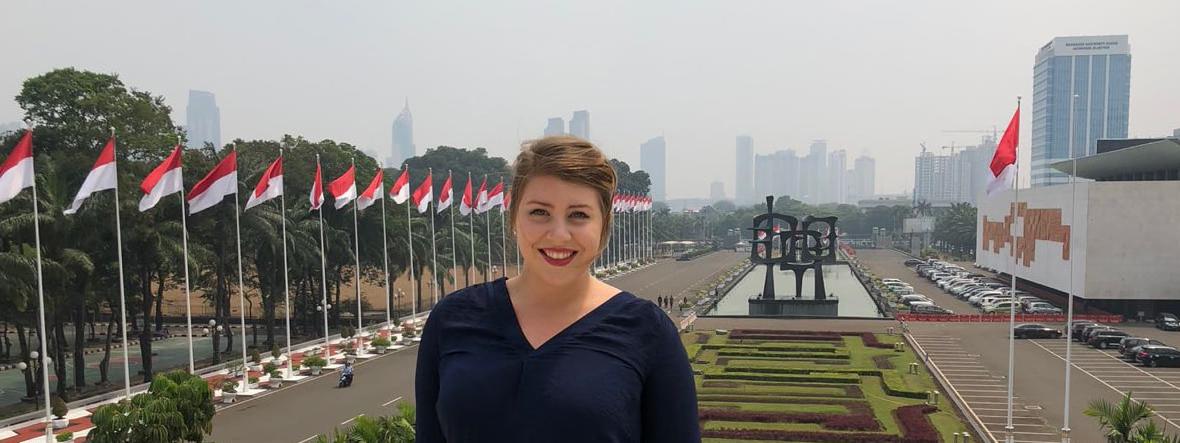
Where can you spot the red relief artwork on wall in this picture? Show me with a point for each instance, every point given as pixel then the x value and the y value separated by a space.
pixel 1039 224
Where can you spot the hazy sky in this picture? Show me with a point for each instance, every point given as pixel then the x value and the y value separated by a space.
pixel 873 78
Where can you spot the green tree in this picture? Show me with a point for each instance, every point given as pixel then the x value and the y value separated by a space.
pixel 178 407
pixel 1121 422
pixel 956 226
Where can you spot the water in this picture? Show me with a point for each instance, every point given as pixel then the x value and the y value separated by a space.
pixel 855 301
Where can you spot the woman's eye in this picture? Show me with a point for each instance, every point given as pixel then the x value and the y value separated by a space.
pixel 538 212
pixel 579 214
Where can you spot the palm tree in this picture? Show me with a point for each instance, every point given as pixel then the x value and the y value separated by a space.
pixel 1122 421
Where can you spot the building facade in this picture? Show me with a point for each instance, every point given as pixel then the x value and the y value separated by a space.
pixel 202 120
pixel 1081 93
pixel 653 159
pixel 744 176
pixel 403 138
pixel 863 179
pixel 717 191
pixel 580 125
pixel 555 126
pixel 838 176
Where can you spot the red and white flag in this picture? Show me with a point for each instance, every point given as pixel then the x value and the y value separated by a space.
pixel 481 199
pixel 495 197
pixel 166 179
pixel 270 185
pixel 1003 165
pixel 614 203
pixel 446 195
pixel 16 173
pixel 343 188
pixel 507 201
pixel 424 194
pixel 101 177
pixel 467 204
pixel 218 183
pixel 373 192
pixel 401 188
pixel 317 187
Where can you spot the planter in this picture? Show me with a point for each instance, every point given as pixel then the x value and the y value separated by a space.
pixel 228 397
pixel 276 383
pixel 316 370
pixel 61 423
pixel 256 367
pixel 380 349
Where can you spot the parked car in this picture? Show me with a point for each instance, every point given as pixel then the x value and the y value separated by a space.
pixel 1167 321
pixel 1042 308
pixel 891 280
pixel 914 262
pixel 1158 356
pixel 999 307
pixel 922 308
pixel 1106 339
pixel 1077 326
pixel 978 297
pixel 1034 330
pixel 1130 346
pixel 1091 330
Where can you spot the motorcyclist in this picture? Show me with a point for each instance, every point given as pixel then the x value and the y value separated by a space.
pixel 346 374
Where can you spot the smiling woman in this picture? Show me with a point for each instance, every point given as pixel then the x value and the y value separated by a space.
pixel 554 354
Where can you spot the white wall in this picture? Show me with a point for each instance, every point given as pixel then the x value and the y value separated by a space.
pixel 1046 263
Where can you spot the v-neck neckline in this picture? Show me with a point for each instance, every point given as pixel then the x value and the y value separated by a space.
pixel 523 339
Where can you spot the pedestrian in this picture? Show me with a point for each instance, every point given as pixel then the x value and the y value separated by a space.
pixel 500 349
pixel 660 301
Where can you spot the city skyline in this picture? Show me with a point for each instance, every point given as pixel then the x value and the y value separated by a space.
pixel 647 79
pixel 402 147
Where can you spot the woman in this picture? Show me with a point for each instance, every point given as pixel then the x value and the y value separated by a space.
pixel 554 354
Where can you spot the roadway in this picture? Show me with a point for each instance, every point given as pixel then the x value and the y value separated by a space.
pixel 301 411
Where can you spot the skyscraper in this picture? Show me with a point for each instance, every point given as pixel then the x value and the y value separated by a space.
pixel 932 178
pixel 838 176
pixel 716 191
pixel 653 158
pixel 786 167
pixel 744 177
pixel 764 176
pixel 813 172
pixel 403 138
pixel 864 179
pixel 555 126
pixel 580 125
pixel 203 120
pixel 1081 93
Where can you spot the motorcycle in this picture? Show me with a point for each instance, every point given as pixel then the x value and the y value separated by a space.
pixel 345 381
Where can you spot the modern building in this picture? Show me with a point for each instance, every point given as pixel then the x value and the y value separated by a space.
pixel 932 178
pixel 838 176
pixel 1105 238
pixel 403 138
pixel 960 177
pixel 1081 93
pixel 744 176
pixel 555 126
pixel 764 175
pixel 580 125
pixel 813 172
pixel 786 166
pixel 863 181
pixel 653 158
pixel 202 120
pixel 717 191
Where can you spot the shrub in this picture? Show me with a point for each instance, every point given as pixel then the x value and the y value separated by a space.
pixel 914 425
pixel 65 436
pixel 268 367
pixel 315 360
pixel 252 380
pixel 178 407
pixel 845 422
pixel 255 357
pixel 274 351
pixel 381 341
pixel 229 387
pixel 808 436
pixel 58 406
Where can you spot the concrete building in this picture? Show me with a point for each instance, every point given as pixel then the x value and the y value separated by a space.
pixel 1107 237
pixel 813 172
pixel 555 126
pixel 580 125
pixel 837 178
pixel 863 180
pixel 932 178
pixel 717 191
pixel 764 175
pixel 1081 93
pixel 403 138
pixel 202 120
pixel 744 176
pixel 653 158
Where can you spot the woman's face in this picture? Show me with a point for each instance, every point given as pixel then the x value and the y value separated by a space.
pixel 558 229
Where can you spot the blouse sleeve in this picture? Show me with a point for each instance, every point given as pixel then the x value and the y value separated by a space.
pixel 426 383
pixel 669 402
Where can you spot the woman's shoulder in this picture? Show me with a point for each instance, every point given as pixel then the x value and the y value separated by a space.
pixel 637 316
pixel 476 299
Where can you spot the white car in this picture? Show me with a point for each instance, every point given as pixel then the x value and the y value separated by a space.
pixel 891 280
pixel 998 307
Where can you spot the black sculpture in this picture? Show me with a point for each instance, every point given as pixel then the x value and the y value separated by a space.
pixel 800 247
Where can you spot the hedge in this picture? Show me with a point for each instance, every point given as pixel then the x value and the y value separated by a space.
pixel 815 378
pixel 892 383
pixel 914 424
pixel 803 436
pixel 809 355
pixel 843 422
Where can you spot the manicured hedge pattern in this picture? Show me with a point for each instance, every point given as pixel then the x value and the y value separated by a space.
pixel 838 422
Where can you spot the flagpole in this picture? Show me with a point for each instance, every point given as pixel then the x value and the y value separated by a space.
pixel 1009 428
pixel 471 223
pixel 433 248
pixel 1069 307
pixel 323 268
pixel 356 252
pixel 503 239
pixel 410 244
pixel 44 356
pixel 241 282
pixel 122 290
pixel 488 238
pixel 188 298
pixel 286 269
pixel 385 260
pixel 454 252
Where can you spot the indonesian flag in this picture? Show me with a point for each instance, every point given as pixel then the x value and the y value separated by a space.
pixel 1003 166
pixel 507 201
pixel 468 202
pixel 317 187
pixel 615 203
pixel 101 177
pixel 343 188
pixel 482 199
pixel 373 192
pixel 220 182
pixel 424 194
pixel 647 202
pixel 16 173
pixel 166 179
pixel 401 188
pixel 633 203
pixel 446 195
pixel 495 197
pixel 270 185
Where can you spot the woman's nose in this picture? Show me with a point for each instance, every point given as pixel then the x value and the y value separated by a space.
pixel 559 231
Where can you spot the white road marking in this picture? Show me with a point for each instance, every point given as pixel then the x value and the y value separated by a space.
pixel 391 401
pixel 345 422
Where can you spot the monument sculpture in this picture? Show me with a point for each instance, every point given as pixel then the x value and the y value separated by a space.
pixel 794 245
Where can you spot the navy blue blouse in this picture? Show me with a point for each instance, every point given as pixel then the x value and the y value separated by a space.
pixel 618 374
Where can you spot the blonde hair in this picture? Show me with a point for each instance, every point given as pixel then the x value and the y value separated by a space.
pixel 570 159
